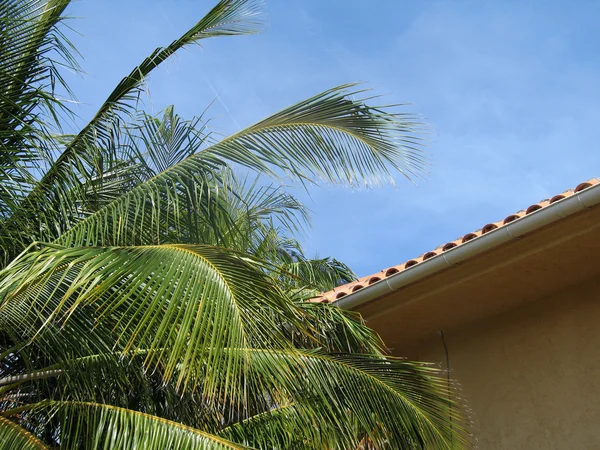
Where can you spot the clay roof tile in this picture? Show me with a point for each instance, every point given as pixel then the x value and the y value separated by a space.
pixel 342 291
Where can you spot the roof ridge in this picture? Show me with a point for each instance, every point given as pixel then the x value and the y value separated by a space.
pixel 343 290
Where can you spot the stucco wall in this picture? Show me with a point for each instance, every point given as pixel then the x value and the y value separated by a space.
pixel 530 376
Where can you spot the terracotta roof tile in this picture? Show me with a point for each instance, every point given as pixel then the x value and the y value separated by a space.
pixel 342 291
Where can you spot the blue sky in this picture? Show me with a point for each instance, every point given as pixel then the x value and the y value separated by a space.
pixel 511 90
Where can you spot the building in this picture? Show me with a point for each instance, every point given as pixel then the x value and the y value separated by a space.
pixel 513 312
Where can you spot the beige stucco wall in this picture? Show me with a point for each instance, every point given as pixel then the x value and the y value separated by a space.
pixel 532 375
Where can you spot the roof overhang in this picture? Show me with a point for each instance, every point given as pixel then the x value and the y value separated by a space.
pixel 535 254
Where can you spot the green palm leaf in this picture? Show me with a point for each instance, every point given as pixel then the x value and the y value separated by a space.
pixel 337 331
pixel 340 399
pixel 228 18
pixel 165 141
pixel 208 299
pixel 81 158
pixel 314 276
pixel 13 437
pixel 394 402
pixel 330 136
pixel 28 105
pixel 334 136
pixel 282 427
pixel 87 425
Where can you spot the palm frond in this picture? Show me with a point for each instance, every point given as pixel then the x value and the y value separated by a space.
pixel 115 378
pixel 14 437
pixel 310 277
pixel 335 137
pixel 165 141
pixel 330 136
pixel 88 425
pixel 221 331
pixel 336 330
pixel 259 217
pixel 339 399
pixel 208 298
pixel 398 404
pixel 31 49
pixel 282 427
pixel 80 160
pixel 227 18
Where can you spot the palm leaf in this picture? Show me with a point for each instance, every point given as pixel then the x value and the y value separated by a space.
pixel 222 330
pixel 313 276
pixel 281 427
pixel 396 403
pixel 13 437
pixel 88 425
pixel 227 18
pixel 330 136
pixel 208 298
pixel 81 158
pixel 390 400
pixel 256 217
pixel 114 378
pixel 339 399
pixel 31 48
pixel 336 330
pixel 334 136
pixel 165 141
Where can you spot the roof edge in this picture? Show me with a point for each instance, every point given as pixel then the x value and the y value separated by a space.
pixel 558 210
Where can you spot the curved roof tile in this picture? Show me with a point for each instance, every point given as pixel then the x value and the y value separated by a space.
pixel 361 283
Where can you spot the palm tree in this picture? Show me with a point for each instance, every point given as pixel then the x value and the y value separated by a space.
pixel 151 297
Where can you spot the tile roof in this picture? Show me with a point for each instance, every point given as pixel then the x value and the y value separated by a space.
pixel 361 283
